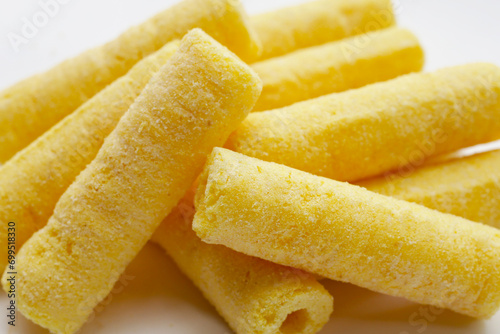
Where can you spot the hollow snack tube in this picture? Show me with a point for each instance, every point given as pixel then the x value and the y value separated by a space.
pixel 317 22
pixel 467 187
pixel 381 127
pixel 34 179
pixel 337 66
pixel 252 295
pixel 140 173
pixel 32 106
pixel 344 232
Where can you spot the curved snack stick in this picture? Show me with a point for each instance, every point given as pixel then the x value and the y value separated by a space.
pixel 142 170
pixel 380 127
pixel 253 295
pixel 32 106
pixel 337 66
pixel 34 179
pixel 467 187
pixel 317 22
pixel 347 233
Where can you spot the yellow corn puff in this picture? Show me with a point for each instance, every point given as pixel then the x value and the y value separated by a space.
pixel 32 106
pixel 380 127
pixel 253 295
pixel 344 232
pixel 337 66
pixel 140 173
pixel 467 187
pixel 34 179
pixel 318 22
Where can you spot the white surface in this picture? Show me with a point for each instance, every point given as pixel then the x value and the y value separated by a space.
pixel 159 299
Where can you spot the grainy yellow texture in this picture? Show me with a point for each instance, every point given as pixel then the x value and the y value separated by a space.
pixel 467 187
pixel 253 295
pixel 347 233
pixel 318 22
pixel 34 179
pixel 337 66
pixel 380 127
pixel 32 106
pixel 140 173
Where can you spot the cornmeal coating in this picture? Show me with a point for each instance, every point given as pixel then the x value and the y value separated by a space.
pixel 34 179
pixel 32 106
pixel 467 187
pixel 337 66
pixel 347 233
pixel 317 22
pixel 381 127
pixel 254 296
pixel 140 173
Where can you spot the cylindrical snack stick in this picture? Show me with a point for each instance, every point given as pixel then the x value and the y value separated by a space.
pixel 380 127
pixel 337 66
pixel 253 295
pixel 34 179
pixel 140 173
pixel 317 22
pixel 467 187
pixel 344 232
pixel 33 105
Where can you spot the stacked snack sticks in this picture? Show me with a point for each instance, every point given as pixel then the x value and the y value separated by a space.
pixel 104 152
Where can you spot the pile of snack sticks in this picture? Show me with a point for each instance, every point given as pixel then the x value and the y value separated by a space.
pixel 262 154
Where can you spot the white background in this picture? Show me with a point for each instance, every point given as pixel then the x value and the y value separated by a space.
pixel 159 299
